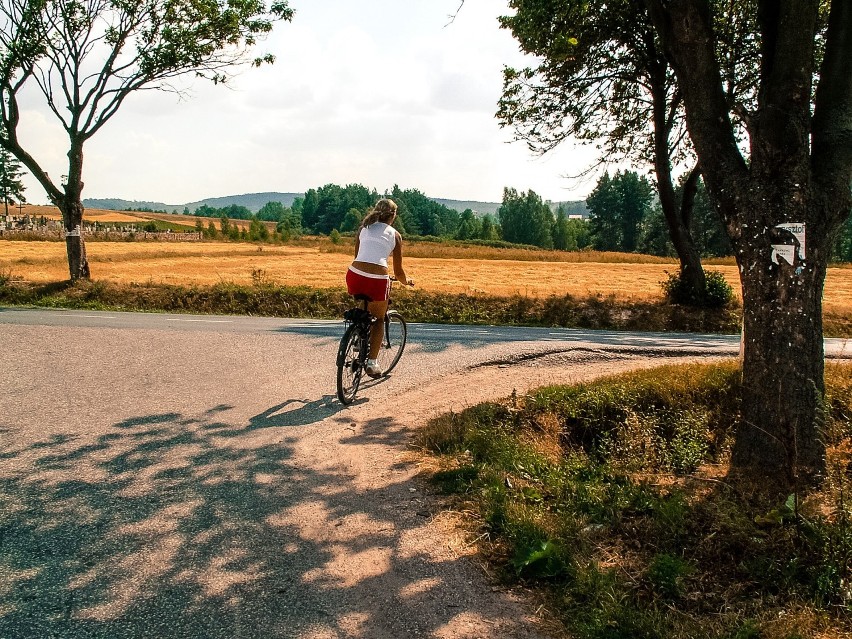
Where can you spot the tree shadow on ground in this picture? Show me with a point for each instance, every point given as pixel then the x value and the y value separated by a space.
pixel 173 525
pixel 435 338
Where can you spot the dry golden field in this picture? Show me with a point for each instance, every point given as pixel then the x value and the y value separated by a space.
pixel 92 215
pixel 323 265
pixel 131 217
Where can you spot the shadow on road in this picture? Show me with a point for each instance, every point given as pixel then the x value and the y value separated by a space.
pixel 176 525
pixel 433 338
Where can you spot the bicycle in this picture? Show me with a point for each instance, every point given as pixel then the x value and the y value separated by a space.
pixel 355 346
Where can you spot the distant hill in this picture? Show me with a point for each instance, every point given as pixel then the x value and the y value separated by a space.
pixel 481 208
pixel 252 201
pixel 572 207
pixel 255 201
pixel 117 204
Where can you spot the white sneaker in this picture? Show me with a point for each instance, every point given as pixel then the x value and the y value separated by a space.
pixel 372 368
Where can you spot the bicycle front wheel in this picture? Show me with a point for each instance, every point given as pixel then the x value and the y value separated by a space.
pixel 396 333
pixel 350 365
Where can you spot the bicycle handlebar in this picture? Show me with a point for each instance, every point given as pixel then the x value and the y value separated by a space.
pixel 394 279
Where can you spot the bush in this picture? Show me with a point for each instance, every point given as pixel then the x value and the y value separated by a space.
pixel 717 292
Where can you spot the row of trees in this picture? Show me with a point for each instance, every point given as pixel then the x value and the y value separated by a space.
pixel 338 208
pixel 625 216
pixel 333 207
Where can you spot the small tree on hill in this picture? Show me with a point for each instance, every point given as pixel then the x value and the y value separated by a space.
pixel 11 187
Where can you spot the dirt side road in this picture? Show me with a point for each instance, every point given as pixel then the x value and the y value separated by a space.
pixel 159 483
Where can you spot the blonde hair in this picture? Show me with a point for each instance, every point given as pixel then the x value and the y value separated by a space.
pixel 384 211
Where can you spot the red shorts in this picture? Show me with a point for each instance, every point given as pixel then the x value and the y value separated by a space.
pixel 375 287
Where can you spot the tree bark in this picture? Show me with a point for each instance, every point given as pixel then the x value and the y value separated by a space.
pixel 71 205
pixel 779 434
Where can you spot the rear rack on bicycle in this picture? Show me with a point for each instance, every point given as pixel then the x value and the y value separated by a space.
pixel 356 315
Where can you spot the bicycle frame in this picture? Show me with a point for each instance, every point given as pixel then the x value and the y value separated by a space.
pixel 354 346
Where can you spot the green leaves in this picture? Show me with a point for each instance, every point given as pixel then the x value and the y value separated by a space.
pixel 541 560
pixel 525 218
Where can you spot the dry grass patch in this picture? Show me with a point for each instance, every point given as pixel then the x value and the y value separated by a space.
pixel 90 215
pixel 213 262
pixel 131 217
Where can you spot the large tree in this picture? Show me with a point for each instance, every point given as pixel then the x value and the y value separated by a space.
pixel 525 218
pixel 86 57
pixel 602 77
pixel 784 194
pixel 617 208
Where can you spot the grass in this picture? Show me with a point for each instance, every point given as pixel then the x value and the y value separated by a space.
pixel 472 270
pixel 265 298
pixel 436 267
pixel 440 248
pixel 611 499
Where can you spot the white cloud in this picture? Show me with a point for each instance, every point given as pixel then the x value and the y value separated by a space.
pixel 378 93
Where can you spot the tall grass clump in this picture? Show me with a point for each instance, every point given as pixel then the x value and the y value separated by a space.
pixel 6 276
pixel 612 498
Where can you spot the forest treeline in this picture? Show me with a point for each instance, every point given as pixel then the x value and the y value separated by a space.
pixel 624 216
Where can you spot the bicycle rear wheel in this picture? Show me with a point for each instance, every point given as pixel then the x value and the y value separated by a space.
pixel 350 364
pixel 396 334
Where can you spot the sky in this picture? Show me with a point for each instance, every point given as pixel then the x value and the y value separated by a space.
pixel 376 93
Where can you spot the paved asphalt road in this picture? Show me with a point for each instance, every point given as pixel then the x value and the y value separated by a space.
pixel 195 477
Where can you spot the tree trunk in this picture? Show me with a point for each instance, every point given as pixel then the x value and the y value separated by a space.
pixel 75 246
pixel 783 367
pixel 677 217
pixel 71 205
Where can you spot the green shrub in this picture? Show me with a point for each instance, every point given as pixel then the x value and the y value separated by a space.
pixel 717 293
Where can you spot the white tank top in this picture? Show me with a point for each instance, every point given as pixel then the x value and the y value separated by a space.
pixel 376 242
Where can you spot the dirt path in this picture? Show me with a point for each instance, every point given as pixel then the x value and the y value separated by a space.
pixel 458 599
pixel 159 483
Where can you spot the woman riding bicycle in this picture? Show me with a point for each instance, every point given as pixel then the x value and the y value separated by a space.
pixel 368 275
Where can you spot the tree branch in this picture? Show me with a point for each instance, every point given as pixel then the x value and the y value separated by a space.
pixel 832 120
pixel 686 30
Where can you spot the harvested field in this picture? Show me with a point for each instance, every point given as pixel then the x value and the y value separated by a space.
pixel 131 217
pixel 91 215
pixel 206 263
pixel 210 262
